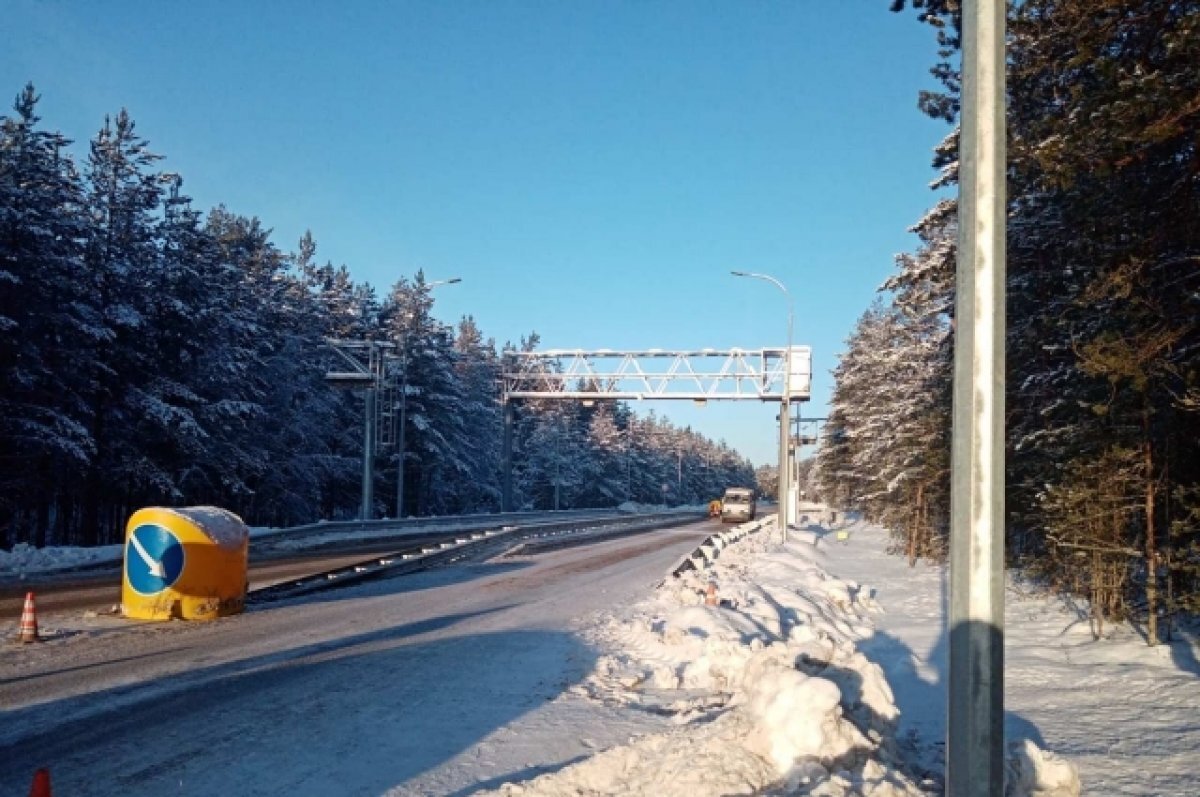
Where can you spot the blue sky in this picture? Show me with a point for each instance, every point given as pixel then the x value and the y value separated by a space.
pixel 591 170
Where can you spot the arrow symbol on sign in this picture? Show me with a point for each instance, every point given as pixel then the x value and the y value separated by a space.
pixel 156 567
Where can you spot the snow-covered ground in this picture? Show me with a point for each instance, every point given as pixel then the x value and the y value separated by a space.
pixel 818 667
pixel 26 560
pixel 1127 715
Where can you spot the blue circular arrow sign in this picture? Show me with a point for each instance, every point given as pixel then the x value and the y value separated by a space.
pixel 153 559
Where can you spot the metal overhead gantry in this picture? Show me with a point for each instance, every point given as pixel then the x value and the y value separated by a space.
pixel 652 374
pixel 703 375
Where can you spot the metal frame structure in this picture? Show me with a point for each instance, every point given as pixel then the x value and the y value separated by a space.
pixel 652 374
pixel 703 375
pixel 368 360
pixel 800 438
pixel 374 367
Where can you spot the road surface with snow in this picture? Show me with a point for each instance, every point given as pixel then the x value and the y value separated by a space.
pixel 353 691
pixel 816 667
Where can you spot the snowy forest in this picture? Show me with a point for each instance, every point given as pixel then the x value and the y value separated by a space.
pixel 154 354
pixel 1103 306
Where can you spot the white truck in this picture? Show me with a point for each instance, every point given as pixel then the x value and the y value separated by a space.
pixel 738 505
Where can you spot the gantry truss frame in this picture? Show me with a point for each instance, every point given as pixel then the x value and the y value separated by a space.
pixel 698 375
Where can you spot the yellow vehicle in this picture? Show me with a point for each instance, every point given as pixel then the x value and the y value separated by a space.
pixel 738 505
pixel 714 507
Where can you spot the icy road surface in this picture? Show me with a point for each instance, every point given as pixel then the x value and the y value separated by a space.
pixel 434 683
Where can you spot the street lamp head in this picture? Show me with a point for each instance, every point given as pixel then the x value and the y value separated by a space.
pixel 739 273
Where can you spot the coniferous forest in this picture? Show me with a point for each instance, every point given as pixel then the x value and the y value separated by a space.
pixel 155 354
pixel 1103 317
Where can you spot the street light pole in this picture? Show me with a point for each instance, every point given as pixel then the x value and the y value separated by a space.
pixel 400 440
pixel 368 463
pixel 400 437
pixel 557 463
pixel 785 409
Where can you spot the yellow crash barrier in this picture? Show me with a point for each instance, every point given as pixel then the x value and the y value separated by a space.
pixel 185 563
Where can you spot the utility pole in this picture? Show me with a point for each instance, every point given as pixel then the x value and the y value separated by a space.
pixel 628 472
pixel 506 453
pixel 975 722
pixel 402 431
pixel 368 375
pixel 679 473
pixel 368 463
pixel 557 462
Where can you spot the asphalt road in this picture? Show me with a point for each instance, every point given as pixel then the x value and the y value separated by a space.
pixel 353 691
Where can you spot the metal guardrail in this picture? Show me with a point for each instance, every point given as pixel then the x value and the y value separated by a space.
pixel 399 524
pixel 556 540
pixel 472 543
pixel 708 551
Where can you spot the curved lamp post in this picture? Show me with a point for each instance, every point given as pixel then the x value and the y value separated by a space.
pixel 785 414
pixel 400 440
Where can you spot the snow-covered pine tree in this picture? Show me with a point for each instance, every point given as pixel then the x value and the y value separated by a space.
pixel 1103 244
pixel 48 327
pixel 343 310
pixel 923 294
pixel 438 452
pixel 1104 160
pixel 478 370
pixel 124 196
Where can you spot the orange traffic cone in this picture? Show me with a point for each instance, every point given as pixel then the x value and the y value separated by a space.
pixel 710 598
pixel 28 630
pixel 41 784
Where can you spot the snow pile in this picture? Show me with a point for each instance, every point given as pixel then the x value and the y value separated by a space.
pixel 757 663
pixel 25 559
pixel 220 525
pixel 1033 772
pixel 762 678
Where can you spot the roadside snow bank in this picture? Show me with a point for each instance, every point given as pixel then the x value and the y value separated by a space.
pixel 24 559
pixel 762 678
pixel 756 661
pixel 1033 772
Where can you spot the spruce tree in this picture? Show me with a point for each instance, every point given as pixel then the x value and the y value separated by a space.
pixel 47 323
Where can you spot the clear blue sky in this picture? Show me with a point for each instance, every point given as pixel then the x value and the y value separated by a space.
pixel 591 170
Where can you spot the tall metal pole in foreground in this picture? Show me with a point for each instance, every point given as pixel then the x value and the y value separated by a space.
pixel 400 439
pixel 785 424
pixel 975 738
